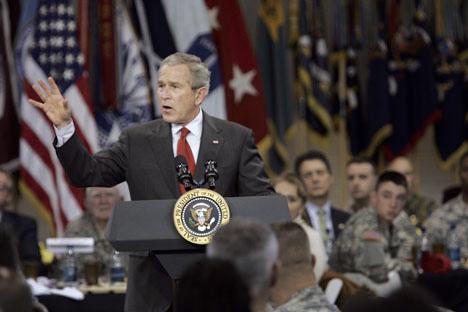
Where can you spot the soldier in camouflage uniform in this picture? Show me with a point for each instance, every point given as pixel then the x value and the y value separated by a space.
pixel 418 207
pixel 372 243
pixel 100 201
pixel 296 289
pixel 454 212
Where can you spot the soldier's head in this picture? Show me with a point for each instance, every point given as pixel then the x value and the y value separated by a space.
pixel 463 171
pixel 403 165
pixel 314 170
pixel 361 176
pixel 390 194
pixel 100 201
pixel 288 185
pixel 6 188
pixel 253 249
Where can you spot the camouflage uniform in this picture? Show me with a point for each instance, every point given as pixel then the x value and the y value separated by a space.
pixel 419 208
pixel 308 299
pixel 371 247
pixel 454 211
pixel 85 227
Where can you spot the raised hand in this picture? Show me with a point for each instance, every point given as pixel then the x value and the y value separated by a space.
pixel 53 104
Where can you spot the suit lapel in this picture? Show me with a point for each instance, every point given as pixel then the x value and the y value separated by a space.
pixel 160 140
pixel 210 145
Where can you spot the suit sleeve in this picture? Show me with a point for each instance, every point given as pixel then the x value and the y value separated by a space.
pixel 105 168
pixel 28 245
pixel 252 177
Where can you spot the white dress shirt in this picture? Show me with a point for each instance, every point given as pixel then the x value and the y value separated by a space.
pixel 313 211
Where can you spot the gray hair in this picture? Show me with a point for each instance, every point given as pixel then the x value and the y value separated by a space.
pixel 251 246
pixel 198 70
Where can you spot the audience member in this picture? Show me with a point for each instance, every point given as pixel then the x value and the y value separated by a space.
pixel 23 228
pixel 314 170
pixel 253 249
pixel 99 201
pixel 15 294
pixel 371 244
pixel 453 213
pixel 288 185
pixel 212 285
pixel 361 176
pixel 418 207
pixel 296 289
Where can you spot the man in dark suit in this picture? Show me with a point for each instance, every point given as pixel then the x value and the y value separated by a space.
pixel 314 170
pixel 144 157
pixel 23 228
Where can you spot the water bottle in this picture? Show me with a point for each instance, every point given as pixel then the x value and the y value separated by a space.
pixel 424 250
pixel 454 247
pixel 117 270
pixel 69 271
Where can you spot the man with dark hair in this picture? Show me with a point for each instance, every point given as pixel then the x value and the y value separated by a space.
pixel 371 244
pixel 314 170
pixel 144 157
pixel 417 207
pixel 453 213
pixel 296 289
pixel 361 176
pixel 23 228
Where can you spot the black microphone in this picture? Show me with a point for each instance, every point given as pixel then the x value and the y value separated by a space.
pixel 211 173
pixel 183 174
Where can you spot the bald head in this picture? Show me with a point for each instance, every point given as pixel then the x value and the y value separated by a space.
pixel 403 165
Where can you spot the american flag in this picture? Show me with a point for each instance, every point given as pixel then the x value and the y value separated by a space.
pixel 49 47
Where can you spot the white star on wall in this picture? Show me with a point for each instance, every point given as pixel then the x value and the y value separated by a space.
pixel 213 18
pixel 241 83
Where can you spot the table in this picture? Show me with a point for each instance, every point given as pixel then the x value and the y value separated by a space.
pixel 109 302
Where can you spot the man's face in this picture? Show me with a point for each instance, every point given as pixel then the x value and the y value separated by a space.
pixel 101 201
pixel 316 178
pixel 5 190
pixel 361 179
pixel 403 166
pixel 464 175
pixel 388 200
pixel 178 102
pixel 290 191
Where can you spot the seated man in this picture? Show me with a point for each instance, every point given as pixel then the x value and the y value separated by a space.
pixel 253 249
pixel 289 186
pixel 99 201
pixel 296 288
pixel 23 228
pixel 361 176
pixel 371 243
pixel 454 212
pixel 417 207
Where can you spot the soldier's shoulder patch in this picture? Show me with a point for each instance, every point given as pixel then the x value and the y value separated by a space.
pixel 371 235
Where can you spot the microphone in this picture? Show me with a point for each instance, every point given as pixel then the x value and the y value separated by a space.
pixel 183 174
pixel 211 173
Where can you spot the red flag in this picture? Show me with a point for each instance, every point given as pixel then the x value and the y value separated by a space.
pixel 243 86
pixel 49 47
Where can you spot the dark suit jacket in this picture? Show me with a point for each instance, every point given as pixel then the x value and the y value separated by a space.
pixel 143 157
pixel 339 218
pixel 24 230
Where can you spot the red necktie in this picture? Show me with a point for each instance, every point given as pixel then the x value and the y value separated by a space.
pixel 183 148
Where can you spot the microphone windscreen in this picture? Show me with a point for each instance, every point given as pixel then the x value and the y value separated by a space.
pixel 180 159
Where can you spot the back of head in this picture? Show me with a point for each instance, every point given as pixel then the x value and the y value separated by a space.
pixel 252 247
pixel 212 285
pixel 294 249
pixel 15 295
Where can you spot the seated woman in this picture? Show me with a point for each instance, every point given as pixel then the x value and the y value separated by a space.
pixel 288 185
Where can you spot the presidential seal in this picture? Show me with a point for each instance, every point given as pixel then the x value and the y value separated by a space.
pixel 199 213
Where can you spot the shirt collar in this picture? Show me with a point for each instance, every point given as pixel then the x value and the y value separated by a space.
pixel 195 126
pixel 326 207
